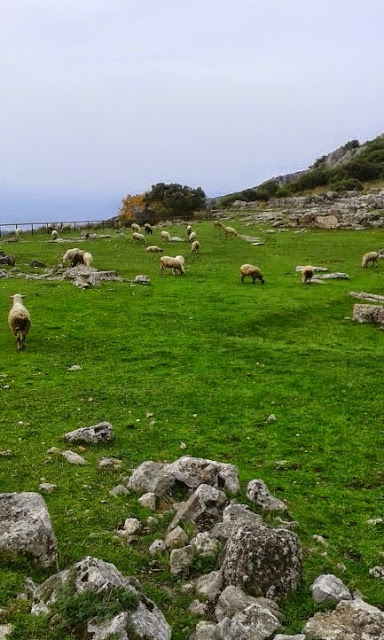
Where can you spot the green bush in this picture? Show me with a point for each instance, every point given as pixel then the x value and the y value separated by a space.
pixel 349 184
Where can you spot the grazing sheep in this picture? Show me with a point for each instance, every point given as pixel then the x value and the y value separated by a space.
pixel 87 258
pixel 195 246
pixel 307 274
pixel 148 228
pixel 54 235
pixel 49 227
pixel 66 227
pixel 78 258
pixel 135 227
pixel 138 236
pixel 18 231
pixel 372 256
pixel 153 248
pixel 251 271
pixel 69 255
pixel 192 236
pixel 176 264
pixel 165 235
pixel 217 223
pixel 19 320
pixel 189 230
pixel 230 231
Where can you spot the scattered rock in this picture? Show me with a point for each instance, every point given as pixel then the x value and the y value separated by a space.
pixel 53 450
pixel 377 572
pixel 119 490
pixel 257 492
pixel 337 275
pixel 351 620
pixel 91 574
pixel 46 487
pixel 109 463
pixel 368 313
pixel 320 539
pixel 5 631
pixel 298 636
pixel 205 545
pixel 131 526
pixel 176 538
pixel 102 432
pixel 148 500
pixel 7 259
pixel 181 559
pixel 375 521
pixel 73 457
pixel 158 546
pixel 75 367
pixel 182 445
pixel 271 418
pixel 209 586
pixel 7 453
pixel 262 561
pixel 204 631
pixel 203 508
pixel 141 280
pixel 152 522
pixel 37 263
pixel 187 587
pixel 26 529
pixel 371 297
pixel 327 587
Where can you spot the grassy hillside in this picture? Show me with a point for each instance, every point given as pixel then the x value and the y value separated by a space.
pixel 352 167
pixel 211 359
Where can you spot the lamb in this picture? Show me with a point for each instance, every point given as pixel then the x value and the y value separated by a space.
pixel 87 258
pixel 230 231
pixel 135 227
pixel 307 274
pixel 192 236
pixel 69 255
pixel 176 264
pixel 19 320
pixel 252 271
pixel 195 246
pixel 138 236
pixel 165 235
pixel 153 248
pixel 148 228
pixel 54 235
pixel 372 256
pixel 66 227
pixel 18 231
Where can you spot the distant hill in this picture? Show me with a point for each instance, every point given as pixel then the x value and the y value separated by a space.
pixel 348 168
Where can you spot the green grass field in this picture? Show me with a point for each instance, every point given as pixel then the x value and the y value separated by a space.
pixel 200 344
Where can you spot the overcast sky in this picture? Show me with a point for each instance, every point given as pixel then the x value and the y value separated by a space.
pixel 105 97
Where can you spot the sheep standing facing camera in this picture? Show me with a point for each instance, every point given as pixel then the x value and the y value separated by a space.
pixel 19 320
pixel 307 274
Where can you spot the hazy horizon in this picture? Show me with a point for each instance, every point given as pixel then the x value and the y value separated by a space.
pixel 100 99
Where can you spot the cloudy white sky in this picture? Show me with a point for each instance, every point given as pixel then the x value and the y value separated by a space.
pixel 105 97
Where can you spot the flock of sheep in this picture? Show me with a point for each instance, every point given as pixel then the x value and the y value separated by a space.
pixel 19 318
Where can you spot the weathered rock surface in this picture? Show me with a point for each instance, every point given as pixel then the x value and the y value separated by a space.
pixel 209 586
pixel 176 538
pixel 242 617
pixel 263 561
pixel 181 559
pixel 148 500
pixel 205 544
pixel 203 508
pixel 5 631
pixel 158 546
pixel 47 487
pixel 26 529
pixel 258 493
pixel 351 620
pixel 337 275
pixel 8 260
pixel 371 297
pixel 92 574
pixel 73 457
pixel 328 587
pixel 109 463
pixel 119 490
pixel 370 313
pixel 102 432
pixel 141 279
pixel 298 636
pixel 160 478
pixel 233 515
pixel 204 631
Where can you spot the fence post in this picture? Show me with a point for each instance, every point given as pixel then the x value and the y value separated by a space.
pixel 32 229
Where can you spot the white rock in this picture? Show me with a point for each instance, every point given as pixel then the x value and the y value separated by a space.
pixel 75 367
pixel 258 493
pixel 73 457
pixel 210 585
pixel 148 500
pixel 181 559
pixel 46 487
pixel 158 546
pixel 205 545
pixel 97 433
pixel 5 631
pixel 198 608
pixel 176 538
pixel 328 587
pixel 132 526
pixel 119 490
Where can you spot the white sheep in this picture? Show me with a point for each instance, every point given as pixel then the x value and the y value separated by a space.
pixel 251 271
pixel 192 236
pixel 66 227
pixel 19 320
pixel 153 248
pixel 189 230
pixel 148 228
pixel 49 227
pixel 176 264
pixel 70 254
pixel 195 246
pixel 54 235
pixel 230 231
pixel 372 256
pixel 87 258
pixel 135 227
pixel 307 274
pixel 165 235
pixel 18 231
pixel 138 236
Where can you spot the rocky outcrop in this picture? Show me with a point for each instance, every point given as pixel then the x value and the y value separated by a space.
pixel 263 561
pixel 160 478
pixel 26 529
pixel 98 433
pixel 351 620
pixel 142 618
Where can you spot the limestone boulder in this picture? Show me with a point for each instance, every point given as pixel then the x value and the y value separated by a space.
pixel 263 561
pixel 258 493
pixel 26 529
pixel 368 313
pixel 142 619
pixel 203 508
pixel 328 587
pixel 98 433
pixel 351 620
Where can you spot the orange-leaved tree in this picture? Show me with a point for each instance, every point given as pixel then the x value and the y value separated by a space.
pixel 131 207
